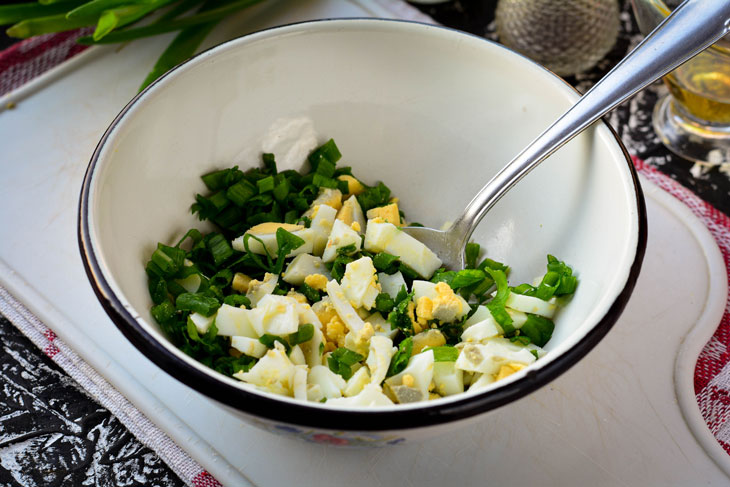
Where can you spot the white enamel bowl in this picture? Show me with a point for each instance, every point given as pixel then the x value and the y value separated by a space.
pixel 430 111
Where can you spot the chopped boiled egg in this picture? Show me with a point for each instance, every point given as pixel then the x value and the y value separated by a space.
pixel 317 281
pixel 233 321
pixel 420 370
pixel 428 338
pixel 323 217
pixel 202 323
pixel 354 187
pixel 388 214
pixel 360 283
pixel 273 372
pixel 259 289
pixel 381 325
pixel 380 352
pixel 438 301
pixel 330 384
pixel 266 233
pixel 327 196
pixel 371 395
pixel 531 304
pixel 344 309
pixel 355 383
pixel 487 358
pixel 358 341
pixel 351 213
pixel 447 378
pixel 248 346
pixel 240 282
pixel 341 236
pixel 275 315
pixel 386 237
pixel 302 266
pixel 299 383
pixel 391 283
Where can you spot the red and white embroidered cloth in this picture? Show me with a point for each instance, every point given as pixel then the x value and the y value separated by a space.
pixel 28 59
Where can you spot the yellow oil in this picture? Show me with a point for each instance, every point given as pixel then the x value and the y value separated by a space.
pixel 702 86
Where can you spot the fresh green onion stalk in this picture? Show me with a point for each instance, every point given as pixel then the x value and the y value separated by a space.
pixel 115 20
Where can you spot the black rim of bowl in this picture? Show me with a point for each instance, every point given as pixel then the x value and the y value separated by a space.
pixel 301 414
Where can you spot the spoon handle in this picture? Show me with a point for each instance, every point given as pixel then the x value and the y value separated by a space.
pixel 692 27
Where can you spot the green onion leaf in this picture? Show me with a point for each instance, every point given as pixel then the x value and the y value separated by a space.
pixel 378 195
pixel 241 192
pixel 342 360
pixel 286 242
pixel 310 293
pixel 472 254
pixel 219 248
pixel 384 303
pixel 385 262
pixel 237 300
pixel 266 184
pixel 269 340
pixel 444 353
pixel 303 334
pixel 400 360
pixel 538 328
pixel 496 305
pixel 198 303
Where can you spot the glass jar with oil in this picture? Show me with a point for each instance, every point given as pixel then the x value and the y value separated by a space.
pixel 693 120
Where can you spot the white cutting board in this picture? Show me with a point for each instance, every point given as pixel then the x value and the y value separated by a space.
pixel 614 419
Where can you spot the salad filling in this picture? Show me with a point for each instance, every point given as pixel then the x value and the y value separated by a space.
pixel 309 289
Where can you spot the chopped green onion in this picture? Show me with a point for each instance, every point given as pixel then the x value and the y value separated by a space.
pixel 342 360
pixel 198 303
pixel 219 248
pixel 266 184
pixel 401 357
pixel 303 334
pixel 384 303
pixel 310 293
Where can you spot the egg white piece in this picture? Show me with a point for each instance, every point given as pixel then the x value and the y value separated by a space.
pixel 302 266
pixel 276 315
pixel 360 283
pixel 481 314
pixel 428 289
pixel 487 358
pixel 379 235
pixel 420 367
pixel 381 351
pixel 249 346
pixel 191 283
pixel 268 241
pixel 311 350
pixel 273 372
pixel 381 325
pixel 342 235
pixel 299 383
pixel 481 331
pixel 356 383
pixel 344 309
pixel 391 283
pixel 351 210
pixel 447 378
pixel 323 217
pixel 233 321
pixel 330 384
pixel 386 237
pixel 202 323
pixel 259 289
pixel 531 304
pixel 371 395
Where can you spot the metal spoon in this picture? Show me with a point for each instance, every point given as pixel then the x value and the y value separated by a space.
pixel 692 27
